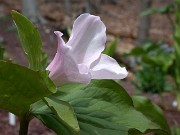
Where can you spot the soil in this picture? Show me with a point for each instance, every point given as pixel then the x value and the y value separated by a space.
pixel 121 20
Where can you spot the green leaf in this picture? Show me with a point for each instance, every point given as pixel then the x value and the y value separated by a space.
pixel 20 87
pixel 30 40
pixel 104 108
pixel 64 112
pixel 152 111
pixel 58 115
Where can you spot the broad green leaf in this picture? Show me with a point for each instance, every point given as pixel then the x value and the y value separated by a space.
pixel 30 40
pixel 20 87
pixel 152 111
pixel 104 108
pixel 59 116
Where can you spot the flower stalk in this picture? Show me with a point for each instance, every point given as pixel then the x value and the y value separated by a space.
pixel 24 124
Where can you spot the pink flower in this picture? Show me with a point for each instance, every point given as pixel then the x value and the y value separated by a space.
pixel 81 59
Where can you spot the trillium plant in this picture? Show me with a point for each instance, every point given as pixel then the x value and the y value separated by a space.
pixel 76 93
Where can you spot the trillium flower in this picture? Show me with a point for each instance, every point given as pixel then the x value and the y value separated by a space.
pixel 81 59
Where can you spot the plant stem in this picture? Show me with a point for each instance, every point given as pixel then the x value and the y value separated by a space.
pixel 24 123
pixel 178 100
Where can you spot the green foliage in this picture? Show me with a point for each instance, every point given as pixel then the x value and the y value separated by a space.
pixel 64 112
pixel 177 47
pixel 151 110
pixel 30 40
pixel 175 130
pixel 174 66
pixel 16 92
pixel 103 108
pixel 154 66
pixel 154 54
pixel 111 48
pixel 58 115
pixel 150 80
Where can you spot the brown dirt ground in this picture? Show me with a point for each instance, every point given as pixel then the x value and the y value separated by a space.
pixel 120 19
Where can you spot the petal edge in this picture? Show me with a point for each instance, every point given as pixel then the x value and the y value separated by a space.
pixel 107 68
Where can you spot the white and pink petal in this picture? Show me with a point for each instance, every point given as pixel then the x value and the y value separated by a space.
pixel 87 39
pixel 107 68
pixel 63 68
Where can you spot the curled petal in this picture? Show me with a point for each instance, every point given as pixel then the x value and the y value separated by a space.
pixel 107 68
pixel 87 39
pixel 56 62
pixel 64 69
